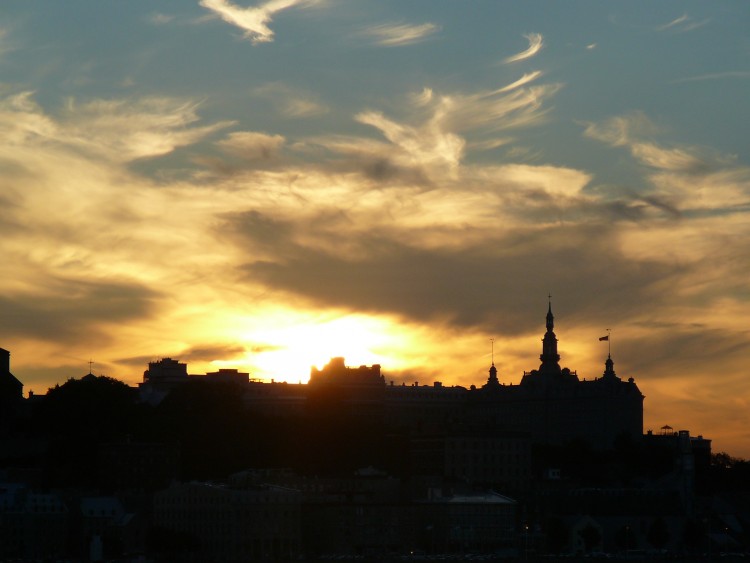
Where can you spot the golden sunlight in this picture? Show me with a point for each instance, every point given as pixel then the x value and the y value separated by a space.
pixel 293 348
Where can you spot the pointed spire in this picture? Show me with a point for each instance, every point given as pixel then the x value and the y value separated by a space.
pixel 550 316
pixel 549 355
pixel 492 380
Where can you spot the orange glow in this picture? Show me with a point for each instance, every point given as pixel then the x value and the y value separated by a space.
pixel 294 348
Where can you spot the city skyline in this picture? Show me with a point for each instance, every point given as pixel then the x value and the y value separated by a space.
pixel 267 185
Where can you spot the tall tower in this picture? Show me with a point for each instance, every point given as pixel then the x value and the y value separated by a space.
pixel 549 356
pixel 492 381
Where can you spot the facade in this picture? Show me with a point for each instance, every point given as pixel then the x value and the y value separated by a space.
pixel 229 524
pixel 474 522
pixel 160 378
pixel 373 515
pixel 137 466
pixel 33 525
pixel 490 457
pixel 424 408
pixel 275 399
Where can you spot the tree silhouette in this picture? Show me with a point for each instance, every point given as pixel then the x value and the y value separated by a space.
pixel 78 416
pixel 658 533
pixel 590 536
pixel 557 535
pixel 625 538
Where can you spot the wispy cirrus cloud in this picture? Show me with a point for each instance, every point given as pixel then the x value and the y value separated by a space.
pixel 683 24
pixel 432 142
pixel 525 79
pixel 5 45
pixel 684 177
pixel 620 130
pixel 536 43
pixel 127 130
pixel 120 130
pixel 291 102
pixel 634 131
pixel 159 18
pixel 715 76
pixel 252 145
pixel 399 34
pixel 254 20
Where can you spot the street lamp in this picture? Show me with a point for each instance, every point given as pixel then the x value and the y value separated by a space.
pixel 526 541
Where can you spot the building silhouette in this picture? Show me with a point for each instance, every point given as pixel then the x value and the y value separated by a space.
pixel 555 406
pixel 11 389
pixel 551 405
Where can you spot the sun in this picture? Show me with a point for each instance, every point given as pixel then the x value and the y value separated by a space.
pixel 291 349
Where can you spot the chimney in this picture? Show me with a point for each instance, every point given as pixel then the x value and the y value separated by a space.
pixel 4 361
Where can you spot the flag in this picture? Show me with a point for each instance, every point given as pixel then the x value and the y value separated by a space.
pixel 603 338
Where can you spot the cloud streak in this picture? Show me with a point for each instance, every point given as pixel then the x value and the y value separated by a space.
pixel 683 24
pixel 683 178
pixel 400 34
pixel 433 141
pixel 253 21
pixel 119 130
pixel 525 79
pixel 291 102
pixel 536 43
pixel 740 74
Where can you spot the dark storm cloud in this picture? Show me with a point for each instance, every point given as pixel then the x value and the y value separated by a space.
pixel 680 348
pixel 67 310
pixel 421 376
pixel 39 377
pixel 383 169
pixel 263 230
pixel 495 283
pixel 538 206
pixel 211 352
pixel 206 353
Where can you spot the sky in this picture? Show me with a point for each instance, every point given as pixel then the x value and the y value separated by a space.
pixel 266 185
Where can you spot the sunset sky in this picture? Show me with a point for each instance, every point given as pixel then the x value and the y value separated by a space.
pixel 266 185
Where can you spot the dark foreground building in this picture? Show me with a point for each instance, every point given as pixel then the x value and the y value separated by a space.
pixel 554 406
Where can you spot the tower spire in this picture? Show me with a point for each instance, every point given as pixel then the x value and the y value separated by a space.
pixel 549 356
pixel 550 316
pixel 492 380
pixel 609 365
